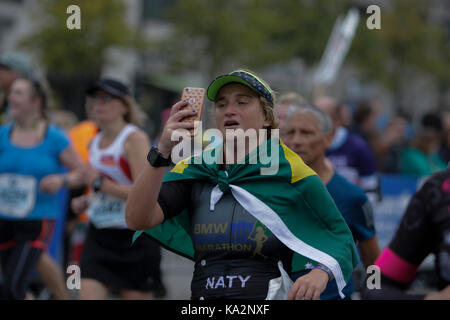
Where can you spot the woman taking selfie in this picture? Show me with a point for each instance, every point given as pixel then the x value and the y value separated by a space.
pixel 243 227
pixel 32 154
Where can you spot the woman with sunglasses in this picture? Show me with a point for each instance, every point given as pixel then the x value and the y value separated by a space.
pixel 32 153
pixel 245 227
pixel 116 155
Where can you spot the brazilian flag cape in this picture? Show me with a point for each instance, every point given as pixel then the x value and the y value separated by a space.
pixel 293 204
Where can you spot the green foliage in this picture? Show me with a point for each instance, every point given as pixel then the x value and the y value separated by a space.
pixel 212 35
pixel 74 51
pixel 250 33
pixel 406 42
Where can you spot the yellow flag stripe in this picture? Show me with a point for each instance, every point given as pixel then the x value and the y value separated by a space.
pixel 299 169
pixel 183 164
pixel 180 166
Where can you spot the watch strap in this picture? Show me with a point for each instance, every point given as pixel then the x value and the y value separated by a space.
pixel 97 184
pixel 156 159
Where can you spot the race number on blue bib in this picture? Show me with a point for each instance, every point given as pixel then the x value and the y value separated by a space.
pixel 17 195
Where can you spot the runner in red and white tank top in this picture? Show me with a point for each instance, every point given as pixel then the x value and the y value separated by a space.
pixel 111 161
pixel 117 154
pixel 107 211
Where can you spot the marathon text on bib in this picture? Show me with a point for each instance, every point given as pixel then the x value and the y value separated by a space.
pixel 106 211
pixel 17 195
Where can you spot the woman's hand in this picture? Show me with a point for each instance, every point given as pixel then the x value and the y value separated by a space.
pixel 51 183
pixel 80 204
pixel 444 294
pixel 310 286
pixel 173 123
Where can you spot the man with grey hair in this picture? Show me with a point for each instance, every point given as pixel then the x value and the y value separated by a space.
pixel 282 106
pixel 309 132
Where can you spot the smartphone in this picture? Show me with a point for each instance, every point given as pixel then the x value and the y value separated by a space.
pixel 195 97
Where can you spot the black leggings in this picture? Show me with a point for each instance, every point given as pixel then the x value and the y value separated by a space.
pixel 18 264
pixel 21 244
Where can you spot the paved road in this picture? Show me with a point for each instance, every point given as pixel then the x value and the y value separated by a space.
pixel 177 275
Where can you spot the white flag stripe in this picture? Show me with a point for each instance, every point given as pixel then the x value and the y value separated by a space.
pixel 216 194
pixel 271 220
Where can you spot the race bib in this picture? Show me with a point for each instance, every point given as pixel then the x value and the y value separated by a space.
pixel 17 195
pixel 106 211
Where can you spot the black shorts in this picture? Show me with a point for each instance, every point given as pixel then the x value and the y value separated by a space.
pixel 38 232
pixel 110 257
pixel 21 244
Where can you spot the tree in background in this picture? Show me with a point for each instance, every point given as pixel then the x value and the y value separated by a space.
pixel 407 46
pixel 74 58
pixel 213 35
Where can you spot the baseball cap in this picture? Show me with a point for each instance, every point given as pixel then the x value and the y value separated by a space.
pixel 16 61
pixel 243 77
pixel 111 86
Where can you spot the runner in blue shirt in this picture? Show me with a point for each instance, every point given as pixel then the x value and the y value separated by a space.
pixel 31 157
pixel 308 133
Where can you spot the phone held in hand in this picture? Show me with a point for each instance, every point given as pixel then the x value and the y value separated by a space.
pixel 195 97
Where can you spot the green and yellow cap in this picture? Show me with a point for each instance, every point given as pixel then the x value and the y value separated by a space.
pixel 240 76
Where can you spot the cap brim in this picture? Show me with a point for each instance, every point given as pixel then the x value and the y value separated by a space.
pixel 221 81
pixel 101 86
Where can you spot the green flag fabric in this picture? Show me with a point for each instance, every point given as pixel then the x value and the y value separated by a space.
pixel 293 204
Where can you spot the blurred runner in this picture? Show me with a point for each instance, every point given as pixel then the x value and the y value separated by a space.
pixel 12 66
pixel 32 152
pixel 116 155
pixel 421 158
pixel 350 155
pixel 424 229
pixel 309 133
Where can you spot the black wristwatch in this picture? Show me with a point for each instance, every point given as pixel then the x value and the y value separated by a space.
pixel 97 184
pixel 156 159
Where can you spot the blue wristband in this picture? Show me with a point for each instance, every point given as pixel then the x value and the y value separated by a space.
pixel 327 270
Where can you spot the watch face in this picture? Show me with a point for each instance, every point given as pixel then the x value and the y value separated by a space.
pixel 156 159
pixel 153 156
